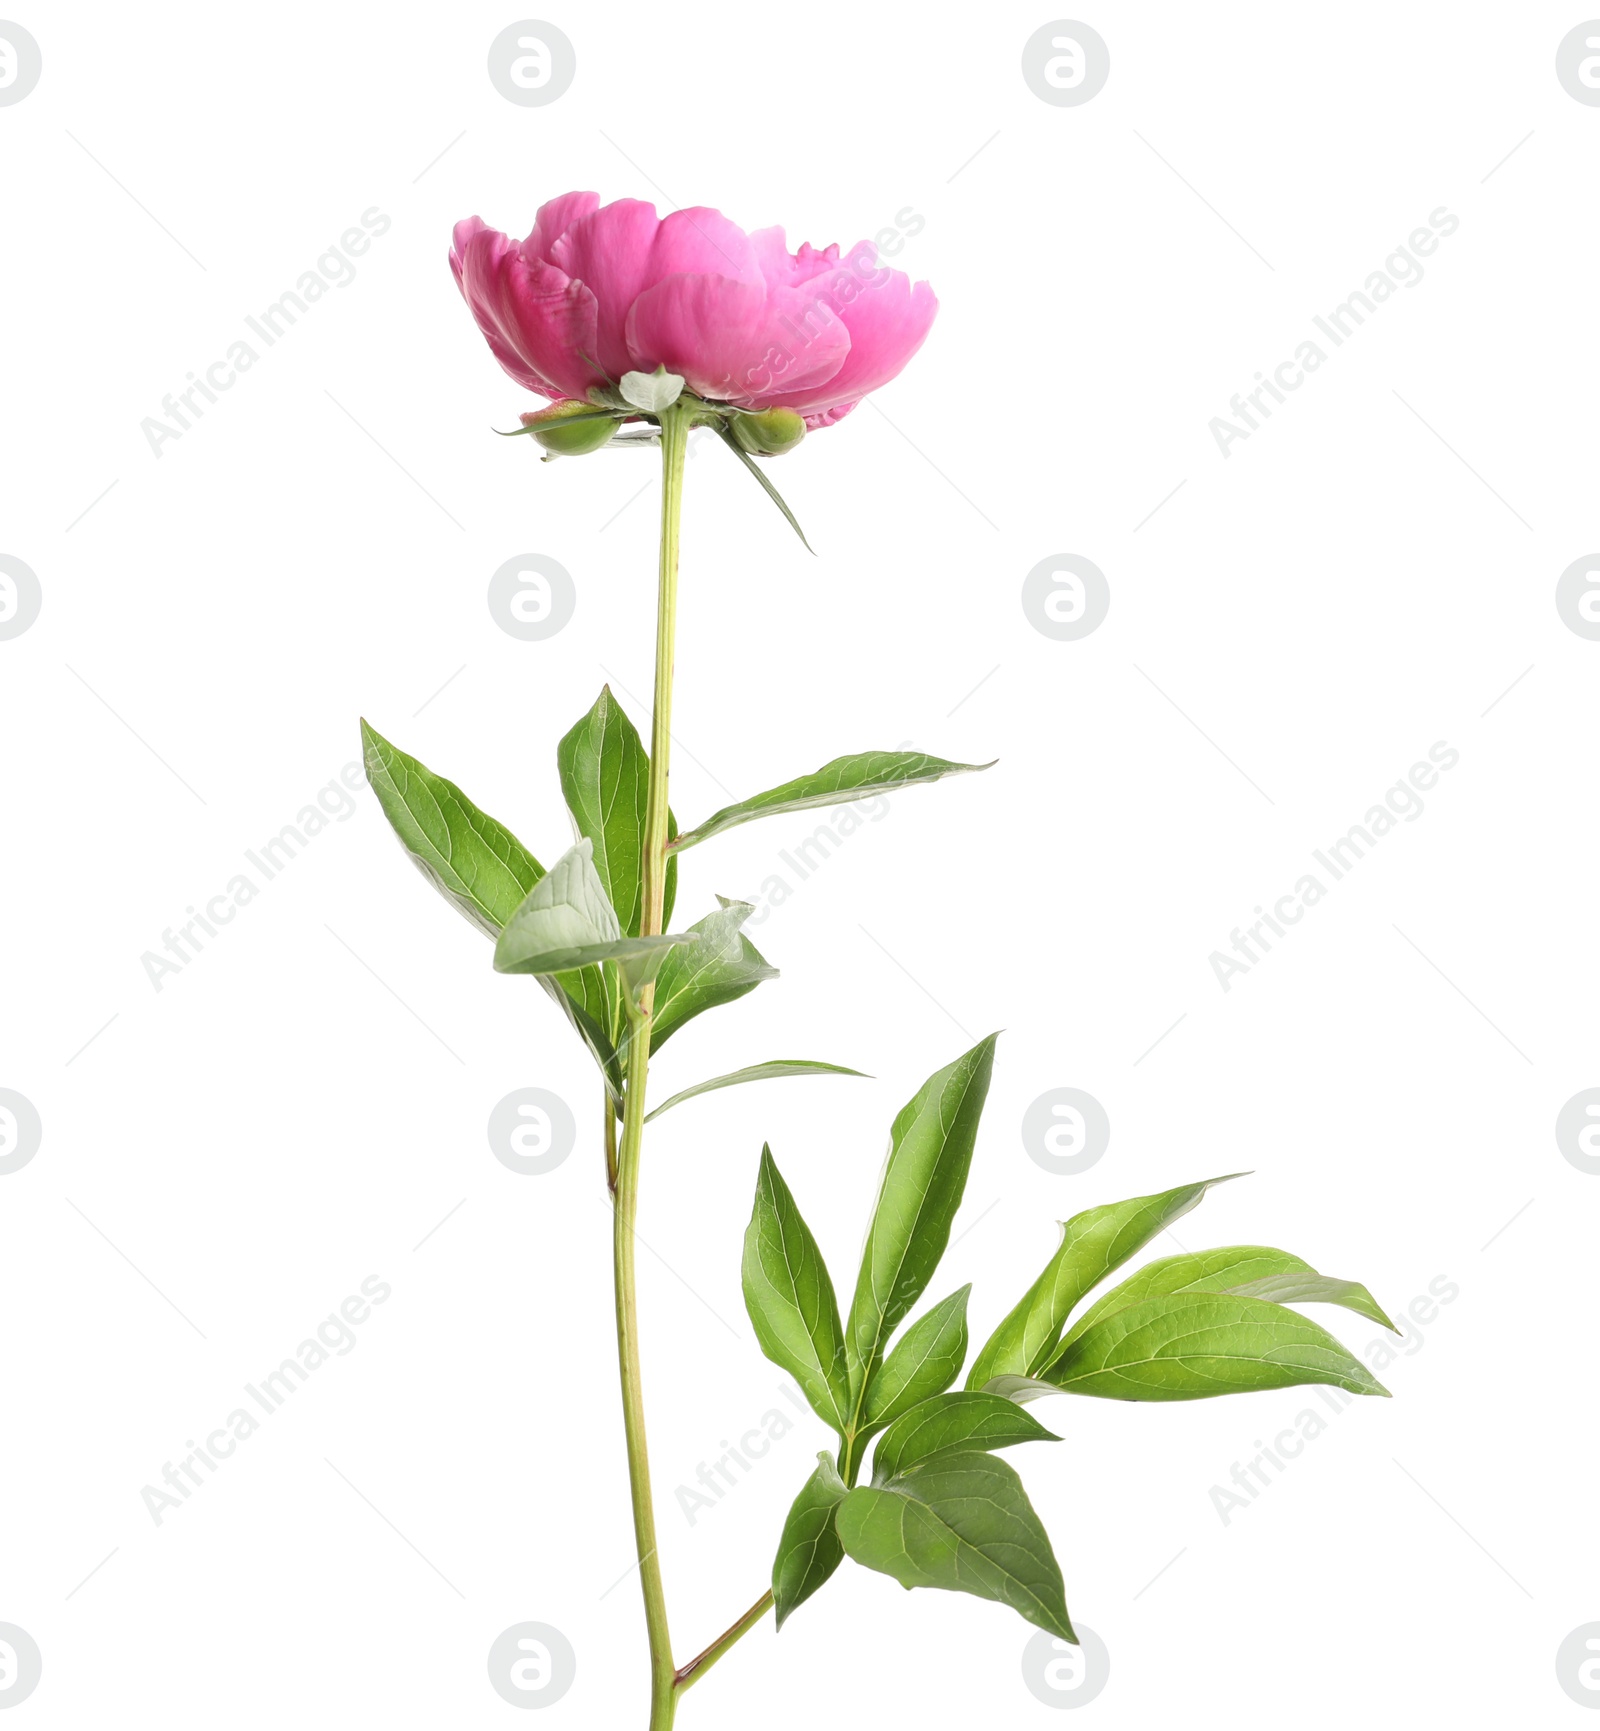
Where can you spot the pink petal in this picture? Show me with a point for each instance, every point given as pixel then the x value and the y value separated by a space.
pixel 538 323
pixel 887 318
pixel 736 341
pixel 784 269
pixel 555 218
pixel 623 249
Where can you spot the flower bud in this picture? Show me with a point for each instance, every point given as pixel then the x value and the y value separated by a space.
pixel 570 441
pixel 769 433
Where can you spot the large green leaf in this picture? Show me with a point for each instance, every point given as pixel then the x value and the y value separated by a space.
pixel 605 780
pixel 930 1152
pixel 1251 1270
pixel 566 922
pixel 963 1523
pixel 958 1423
pixel 925 1360
pixel 473 861
pixel 1194 1271
pixel 483 869
pixel 724 965
pixel 790 1297
pixel 773 1070
pixel 1316 1289
pixel 1189 1346
pixel 1092 1244
pixel 809 1550
pixel 858 776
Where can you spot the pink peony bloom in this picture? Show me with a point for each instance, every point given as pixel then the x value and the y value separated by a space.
pixel 595 293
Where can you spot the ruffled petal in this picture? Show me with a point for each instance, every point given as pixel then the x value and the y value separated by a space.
pixel 555 218
pixel 736 342
pixel 623 249
pixel 888 319
pixel 785 269
pixel 538 323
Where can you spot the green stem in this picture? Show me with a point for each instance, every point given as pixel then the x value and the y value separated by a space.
pixel 850 1443
pixel 663 1676
pixel 611 1145
pixel 697 1667
pixel 674 446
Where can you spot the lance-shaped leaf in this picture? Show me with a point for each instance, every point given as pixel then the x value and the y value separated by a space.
pixel 963 1523
pixel 1194 1271
pixel 585 999
pixel 925 1360
pixel 1316 1289
pixel 859 776
pixel 790 1297
pixel 485 872
pixel 773 1070
pixel 1019 1388
pixel 959 1423
pixel 566 922
pixel 809 1550
pixel 722 966
pixel 605 780
pixel 767 487
pixel 1092 1244
pixel 1252 1270
pixel 930 1152
pixel 474 862
pixel 1193 1345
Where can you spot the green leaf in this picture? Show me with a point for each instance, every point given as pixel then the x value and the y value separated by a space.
pixel 1251 1270
pixel 605 779
pixel 1092 1244
pixel 566 922
pixel 1194 1271
pixel 1018 1388
pixel 723 966
pixel 772 492
pixel 474 862
pixel 486 872
pixel 1316 1289
pixel 930 1152
pixel 957 1423
pixel 774 1069
pixel 790 1297
pixel 1190 1346
pixel 924 1362
pixel 858 776
pixel 962 1523
pixel 585 998
pixel 809 1550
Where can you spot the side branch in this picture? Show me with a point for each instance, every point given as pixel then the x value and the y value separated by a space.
pixel 698 1666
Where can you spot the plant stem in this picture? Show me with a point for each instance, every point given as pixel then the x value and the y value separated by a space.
pixel 663 1677
pixel 674 446
pixel 697 1667
pixel 663 1700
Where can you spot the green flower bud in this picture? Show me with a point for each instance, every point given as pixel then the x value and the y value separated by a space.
pixel 570 441
pixel 770 433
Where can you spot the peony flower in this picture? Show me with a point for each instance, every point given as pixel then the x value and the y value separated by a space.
pixel 595 293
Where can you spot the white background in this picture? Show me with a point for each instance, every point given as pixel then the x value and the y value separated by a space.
pixel 305 1102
